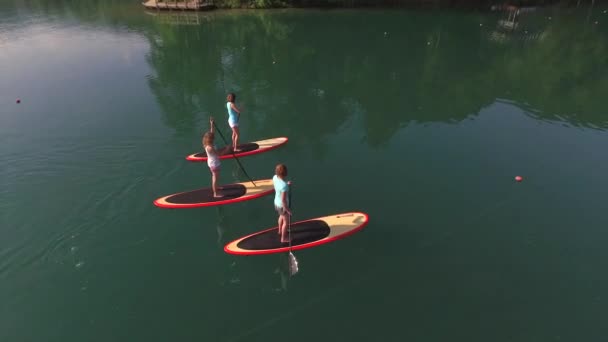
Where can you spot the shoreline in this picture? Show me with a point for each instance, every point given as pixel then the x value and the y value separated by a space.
pixel 246 5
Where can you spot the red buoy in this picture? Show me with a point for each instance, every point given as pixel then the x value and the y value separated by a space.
pixel 518 178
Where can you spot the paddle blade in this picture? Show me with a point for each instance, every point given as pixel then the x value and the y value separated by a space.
pixel 293 264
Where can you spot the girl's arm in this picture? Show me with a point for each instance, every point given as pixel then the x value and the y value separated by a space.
pixel 233 106
pixel 284 199
pixel 211 123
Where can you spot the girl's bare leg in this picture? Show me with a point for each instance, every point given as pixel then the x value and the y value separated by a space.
pixel 214 177
pixel 284 225
pixel 235 138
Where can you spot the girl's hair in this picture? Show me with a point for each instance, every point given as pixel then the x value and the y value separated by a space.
pixel 231 97
pixel 208 139
pixel 281 170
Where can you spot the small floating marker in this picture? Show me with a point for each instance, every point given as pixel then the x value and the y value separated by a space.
pixel 18 100
pixel 519 178
pixel 428 43
pixel 549 18
pixel 273 62
pixel 480 24
pixel 604 11
pixel 596 23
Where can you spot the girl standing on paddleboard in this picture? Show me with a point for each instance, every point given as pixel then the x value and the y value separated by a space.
pixel 281 203
pixel 213 159
pixel 234 114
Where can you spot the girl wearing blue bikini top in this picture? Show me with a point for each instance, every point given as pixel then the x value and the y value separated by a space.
pixel 234 115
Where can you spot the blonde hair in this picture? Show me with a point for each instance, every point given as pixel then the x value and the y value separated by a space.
pixel 208 139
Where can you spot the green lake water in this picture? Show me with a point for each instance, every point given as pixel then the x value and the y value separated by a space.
pixel 420 118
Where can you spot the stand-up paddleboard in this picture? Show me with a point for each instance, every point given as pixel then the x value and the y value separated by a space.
pixel 304 234
pixel 233 193
pixel 246 149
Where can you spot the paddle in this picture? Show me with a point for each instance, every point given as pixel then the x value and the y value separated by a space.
pixel 293 262
pixel 233 154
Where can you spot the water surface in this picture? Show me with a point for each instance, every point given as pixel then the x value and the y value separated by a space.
pixel 421 118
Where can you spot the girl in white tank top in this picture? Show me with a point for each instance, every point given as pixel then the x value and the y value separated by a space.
pixel 213 159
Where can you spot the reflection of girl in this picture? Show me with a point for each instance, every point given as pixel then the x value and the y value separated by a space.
pixel 236 172
pixel 213 159
pixel 282 272
pixel 220 225
pixel 234 115
pixel 281 187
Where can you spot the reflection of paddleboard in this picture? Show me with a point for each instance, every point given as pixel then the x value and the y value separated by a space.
pixel 233 193
pixel 245 149
pixel 304 234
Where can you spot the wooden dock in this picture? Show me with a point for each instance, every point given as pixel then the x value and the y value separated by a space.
pixel 192 5
pixel 179 17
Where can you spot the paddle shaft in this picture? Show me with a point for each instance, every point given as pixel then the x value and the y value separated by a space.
pixel 293 262
pixel 235 157
pixel 289 217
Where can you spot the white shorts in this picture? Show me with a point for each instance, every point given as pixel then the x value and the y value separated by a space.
pixel 233 124
pixel 281 210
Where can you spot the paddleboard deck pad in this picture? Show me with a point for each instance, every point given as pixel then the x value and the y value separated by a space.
pixel 304 234
pixel 245 149
pixel 232 193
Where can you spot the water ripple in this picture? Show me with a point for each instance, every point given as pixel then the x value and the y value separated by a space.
pixel 79 212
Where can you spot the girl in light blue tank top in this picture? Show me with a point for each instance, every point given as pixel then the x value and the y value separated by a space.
pixel 281 198
pixel 234 115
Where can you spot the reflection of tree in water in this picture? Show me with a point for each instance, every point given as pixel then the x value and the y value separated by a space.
pixel 180 61
pixel 428 67
pixel 196 67
pixel 432 77
pixel 563 75
pixel 422 67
